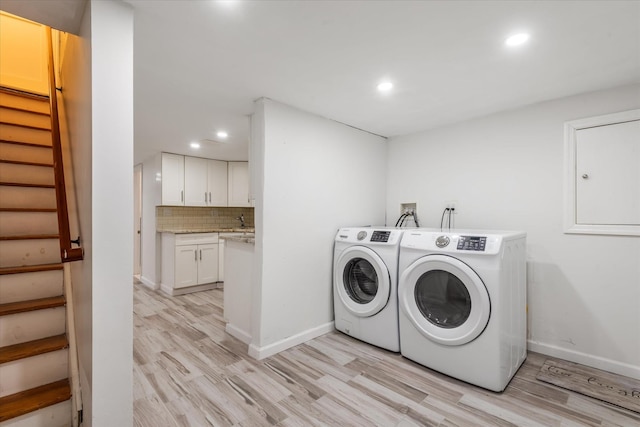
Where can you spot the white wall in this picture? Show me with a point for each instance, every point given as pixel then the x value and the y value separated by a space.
pixel 98 95
pixel 112 159
pixel 151 197
pixel 317 175
pixel 506 172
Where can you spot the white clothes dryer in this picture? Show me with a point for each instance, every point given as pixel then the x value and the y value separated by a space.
pixel 365 277
pixel 462 299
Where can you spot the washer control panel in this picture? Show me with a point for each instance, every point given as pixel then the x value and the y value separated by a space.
pixel 367 235
pixel 471 243
pixel 380 236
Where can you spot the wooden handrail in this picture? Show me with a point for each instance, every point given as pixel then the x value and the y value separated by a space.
pixel 67 253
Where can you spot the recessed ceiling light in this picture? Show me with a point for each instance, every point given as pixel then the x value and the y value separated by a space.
pixel 517 39
pixel 195 145
pixel 385 86
pixel 222 134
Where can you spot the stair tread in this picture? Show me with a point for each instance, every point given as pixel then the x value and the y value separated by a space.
pixel 20 125
pixel 31 400
pixel 20 184
pixel 31 305
pixel 22 162
pixel 33 348
pixel 30 268
pixel 31 237
pixel 30 144
pixel 24 94
pixel 28 210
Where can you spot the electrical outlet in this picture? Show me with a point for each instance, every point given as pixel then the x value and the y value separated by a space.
pixel 452 204
pixel 409 208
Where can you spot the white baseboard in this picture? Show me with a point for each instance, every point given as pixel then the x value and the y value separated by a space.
pixel 234 331
pixel 269 350
pixel 190 289
pixel 608 365
pixel 149 283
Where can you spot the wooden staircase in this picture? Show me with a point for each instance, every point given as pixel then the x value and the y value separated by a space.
pixel 34 359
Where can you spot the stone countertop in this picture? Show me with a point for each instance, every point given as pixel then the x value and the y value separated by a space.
pixel 244 238
pixel 208 230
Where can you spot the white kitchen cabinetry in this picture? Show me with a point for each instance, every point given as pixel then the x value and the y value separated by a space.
pixel 238 193
pixel 205 182
pixel 195 181
pixel 217 182
pixel 172 176
pixel 189 262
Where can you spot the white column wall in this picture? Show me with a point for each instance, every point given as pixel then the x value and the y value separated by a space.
pixel 505 171
pixel 112 201
pixel 317 175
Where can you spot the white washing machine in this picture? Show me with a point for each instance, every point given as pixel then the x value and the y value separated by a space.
pixel 365 291
pixel 462 300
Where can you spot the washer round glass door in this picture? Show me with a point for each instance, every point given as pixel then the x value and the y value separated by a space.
pixel 361 280
pixel 444 299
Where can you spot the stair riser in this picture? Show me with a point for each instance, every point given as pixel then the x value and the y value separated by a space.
pixel 25 153
pixel 35 105
pixel 28 286
pixel 24 118
pixel 31 325
pixel 20 197
pixel 29 252
pixel 58 415
pixel 34 371
pixel 26 174
pixel 28 223
pixel 20 134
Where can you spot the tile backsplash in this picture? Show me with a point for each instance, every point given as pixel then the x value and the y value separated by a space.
pixel 169 218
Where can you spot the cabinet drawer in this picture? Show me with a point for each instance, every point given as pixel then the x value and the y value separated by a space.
pixel 196 238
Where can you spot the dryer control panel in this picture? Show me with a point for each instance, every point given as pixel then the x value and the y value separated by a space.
pixel 472 243
pixel 380 236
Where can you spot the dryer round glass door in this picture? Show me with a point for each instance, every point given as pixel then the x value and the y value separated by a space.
pixel 444 299
pixel 361 280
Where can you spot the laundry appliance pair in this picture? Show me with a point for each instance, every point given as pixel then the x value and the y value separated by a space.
pixel 452 301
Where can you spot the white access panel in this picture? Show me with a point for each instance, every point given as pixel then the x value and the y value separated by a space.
pixel 608 175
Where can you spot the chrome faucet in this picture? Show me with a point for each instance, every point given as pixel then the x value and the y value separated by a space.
pixel 241 219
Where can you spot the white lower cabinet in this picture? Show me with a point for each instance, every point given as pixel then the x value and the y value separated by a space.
pixel 189 262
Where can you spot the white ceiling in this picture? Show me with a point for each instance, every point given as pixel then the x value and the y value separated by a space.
pixel 199 65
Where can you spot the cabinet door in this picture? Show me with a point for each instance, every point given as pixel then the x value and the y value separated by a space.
pixel 239 184
pixel 186 266
pixel 207 263
pixel 195 181
pixel 172 179
pixel 217 182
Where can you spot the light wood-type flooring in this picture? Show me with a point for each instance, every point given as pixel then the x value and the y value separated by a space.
pixel 189 372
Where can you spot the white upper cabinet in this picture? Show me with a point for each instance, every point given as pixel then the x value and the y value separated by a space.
pixel 239 184
pixel 194 181
pixel 217 182
pixel 205 182
pixel 196 191
pixel 172 179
